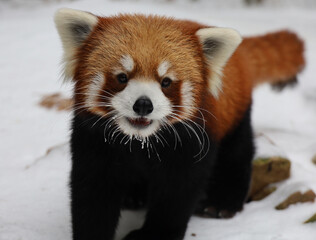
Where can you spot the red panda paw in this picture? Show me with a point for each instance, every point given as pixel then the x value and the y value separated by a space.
pixel 213 212
pixel 132 203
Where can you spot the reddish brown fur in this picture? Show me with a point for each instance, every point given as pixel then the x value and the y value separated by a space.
pixel 150 40
pixel 270 58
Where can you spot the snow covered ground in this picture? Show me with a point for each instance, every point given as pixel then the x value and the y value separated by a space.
pixel 34 202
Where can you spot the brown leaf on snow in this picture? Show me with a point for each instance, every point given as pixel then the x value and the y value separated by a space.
pixel 314 159
pixel 297 197
pixel 56 101
pixel 311 219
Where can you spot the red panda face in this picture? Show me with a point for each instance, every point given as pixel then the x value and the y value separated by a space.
pixel 142 73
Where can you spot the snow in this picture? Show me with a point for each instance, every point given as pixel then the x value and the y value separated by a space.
pixel 34 201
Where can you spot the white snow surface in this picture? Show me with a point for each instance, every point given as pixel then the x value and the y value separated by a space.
pixel 34 199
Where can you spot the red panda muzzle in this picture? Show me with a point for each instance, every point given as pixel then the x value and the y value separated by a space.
pixel 140 122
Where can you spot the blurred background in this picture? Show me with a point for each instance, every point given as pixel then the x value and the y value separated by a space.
pixel 225 3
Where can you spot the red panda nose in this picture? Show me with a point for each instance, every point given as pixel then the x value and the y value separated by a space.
pixel 143 106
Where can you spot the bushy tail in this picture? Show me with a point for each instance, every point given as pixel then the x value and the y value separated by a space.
pixel 274 58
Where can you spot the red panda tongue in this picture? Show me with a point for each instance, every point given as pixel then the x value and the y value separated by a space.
pixel 142 122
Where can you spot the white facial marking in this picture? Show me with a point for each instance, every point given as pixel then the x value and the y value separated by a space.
pixel 163 68
pixel 123 103
pixel 64 19
pixel 225 43
pixel 94 90
pixel 187 97
pixel 127 62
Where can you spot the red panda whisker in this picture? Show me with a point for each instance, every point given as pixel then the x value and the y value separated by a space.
pixel 107 92
pixel 201 142
pixel 153 145
pixel 158 139
pixel 163 138
pixel 176 134
pixel 158 135
pixel 103 116
pixel 112 119
pixel 148 150
pixel 130 143
pixel 204 133
pixel 107 122
pixel 177 117
pixel 86 88
pixel 202 129
pixel 82 104
pixel 91 106
pixel 192 115
pixel 185 126
pixel 109 113
pixel 123 139
pixel 112 132
pixel 83 108
pixel 190 106
pixel 189 114
pixel 95 95
pixel 117 130
pixel 120 133
pixel 166 125
pixel 197 108
pixel 91 94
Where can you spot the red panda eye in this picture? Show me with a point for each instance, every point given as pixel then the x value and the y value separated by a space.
pixel 122 78
pixel 166 82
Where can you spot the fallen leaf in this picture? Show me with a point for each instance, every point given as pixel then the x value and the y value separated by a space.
pixel 314 159
pixel 57 101
pixel 297 197
pixel 311 219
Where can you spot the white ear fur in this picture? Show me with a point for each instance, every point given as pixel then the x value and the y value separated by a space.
pixel 74 27
pixel 218 46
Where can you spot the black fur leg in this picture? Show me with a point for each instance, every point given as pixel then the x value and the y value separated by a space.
pixel 95 212
pixel 136 198
pixel 230 177
pixel 169 209
pixel 96 188
pixel 175 185
pixel 171 203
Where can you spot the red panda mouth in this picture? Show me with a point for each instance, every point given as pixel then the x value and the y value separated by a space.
pixel 139 122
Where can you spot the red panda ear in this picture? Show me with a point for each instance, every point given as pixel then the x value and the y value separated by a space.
pixel 218 45
pixel 74 27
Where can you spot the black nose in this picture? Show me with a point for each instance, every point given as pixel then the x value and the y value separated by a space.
pixel 143 106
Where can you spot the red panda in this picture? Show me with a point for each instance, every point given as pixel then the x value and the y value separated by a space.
pixel 162 117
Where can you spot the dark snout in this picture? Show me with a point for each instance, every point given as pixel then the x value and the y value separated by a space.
pixel 143 106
